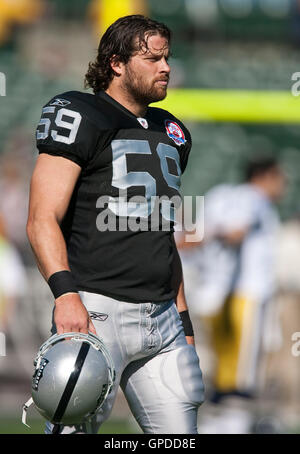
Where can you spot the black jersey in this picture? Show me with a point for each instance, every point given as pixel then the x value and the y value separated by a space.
pixel 119 154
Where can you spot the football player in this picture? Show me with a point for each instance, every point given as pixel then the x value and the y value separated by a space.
pixel 111 262
pixel 237 288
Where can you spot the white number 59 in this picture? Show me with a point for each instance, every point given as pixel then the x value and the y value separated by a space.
pixel 71 126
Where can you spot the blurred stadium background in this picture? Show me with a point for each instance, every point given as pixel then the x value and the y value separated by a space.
pixel 232 69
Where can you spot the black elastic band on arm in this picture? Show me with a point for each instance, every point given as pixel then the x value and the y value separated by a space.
pixel 62 282
pixel 186 322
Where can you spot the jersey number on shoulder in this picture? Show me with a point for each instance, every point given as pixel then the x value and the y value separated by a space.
pixel 123 179
pixel 72 126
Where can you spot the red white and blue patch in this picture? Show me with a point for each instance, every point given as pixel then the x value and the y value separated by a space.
pixel 175 132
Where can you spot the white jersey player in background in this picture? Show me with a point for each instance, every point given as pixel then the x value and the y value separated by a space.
pixel 235 287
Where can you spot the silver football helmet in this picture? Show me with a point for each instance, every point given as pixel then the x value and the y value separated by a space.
pixel 73 376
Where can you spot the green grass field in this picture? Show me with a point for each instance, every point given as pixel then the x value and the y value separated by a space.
pixel 14 426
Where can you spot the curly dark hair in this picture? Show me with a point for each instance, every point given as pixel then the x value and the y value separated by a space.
pixel 121 40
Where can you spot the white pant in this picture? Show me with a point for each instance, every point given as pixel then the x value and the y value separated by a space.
pixel 157 370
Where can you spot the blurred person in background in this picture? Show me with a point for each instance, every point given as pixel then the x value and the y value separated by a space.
pixel 12 280
pixel 237 283
pixel 17 12
pixel 287 358
pixel 14 202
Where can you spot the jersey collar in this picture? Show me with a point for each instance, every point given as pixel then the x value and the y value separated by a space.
pixel 103 95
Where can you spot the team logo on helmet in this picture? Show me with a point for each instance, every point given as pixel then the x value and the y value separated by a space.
pixel 38 374
pixel 175 132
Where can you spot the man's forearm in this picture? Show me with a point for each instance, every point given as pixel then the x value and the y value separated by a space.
pixel 48 244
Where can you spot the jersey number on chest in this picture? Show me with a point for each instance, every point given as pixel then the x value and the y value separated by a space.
pixel 122 179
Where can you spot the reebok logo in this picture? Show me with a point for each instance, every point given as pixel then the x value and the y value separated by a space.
pixel 98 316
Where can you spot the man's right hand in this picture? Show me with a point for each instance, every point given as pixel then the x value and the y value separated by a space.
pixel 70 315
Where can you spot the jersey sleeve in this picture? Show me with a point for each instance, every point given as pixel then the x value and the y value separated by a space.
pixel 65 130
pixel 185 151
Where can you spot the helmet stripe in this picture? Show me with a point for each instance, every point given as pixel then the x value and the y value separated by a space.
pixel 65 398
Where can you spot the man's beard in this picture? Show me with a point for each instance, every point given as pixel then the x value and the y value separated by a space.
pixel 140 92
